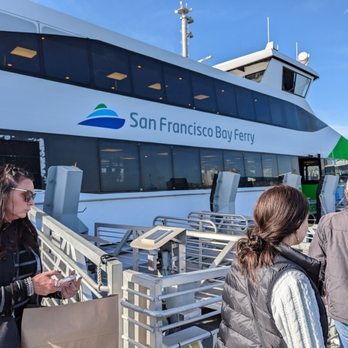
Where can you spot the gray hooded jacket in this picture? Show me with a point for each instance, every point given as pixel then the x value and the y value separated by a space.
pixel 330 247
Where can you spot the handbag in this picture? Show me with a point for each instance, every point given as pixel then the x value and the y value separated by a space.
pixel 9 335
pixel 88 324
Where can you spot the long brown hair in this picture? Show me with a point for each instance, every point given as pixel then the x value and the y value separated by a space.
pixel 278 213
pixel 20 231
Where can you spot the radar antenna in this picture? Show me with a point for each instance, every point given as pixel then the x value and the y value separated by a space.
pixel 185 21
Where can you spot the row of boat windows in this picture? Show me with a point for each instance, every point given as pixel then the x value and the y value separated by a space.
pixel 97 65
pixel 128 166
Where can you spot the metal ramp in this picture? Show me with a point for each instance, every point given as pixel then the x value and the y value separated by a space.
pixel 157 311
pixel 65 250
pixel 176 309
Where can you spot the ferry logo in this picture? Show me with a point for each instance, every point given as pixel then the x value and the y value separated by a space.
pixel 104 118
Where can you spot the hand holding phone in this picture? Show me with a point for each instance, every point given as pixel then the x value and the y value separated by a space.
pixel 65 281
pixel 69 286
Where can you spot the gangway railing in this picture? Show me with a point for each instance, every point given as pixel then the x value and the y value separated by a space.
pixel 203 248
pixel 208 221
pixel 225 223
pixel 190 223
pixel 63 249
pixel 171 311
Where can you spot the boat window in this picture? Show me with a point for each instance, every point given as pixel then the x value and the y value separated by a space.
pixel 245 104
pixel 269 169
pixel 278 112
pixel 147 77
pixel 156 166
pixel 203 92
pixel 225 98
pixel 253 168
pixel 262 108
pixel 177 86
pixel 186 166
pixel 295 83
pixel 256 76
pixel 119 166
pixel 19 52
pixel 110 68
pixel 288 164
pixel 66 58
pixel 24 154
pixel 301 85
pixel 211 163
pixel 234 162
pixel 292 117
pixel 8 22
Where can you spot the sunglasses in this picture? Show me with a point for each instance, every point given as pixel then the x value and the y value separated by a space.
pixel 27 196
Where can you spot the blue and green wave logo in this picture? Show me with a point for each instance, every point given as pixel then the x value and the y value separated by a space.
pixel 104 118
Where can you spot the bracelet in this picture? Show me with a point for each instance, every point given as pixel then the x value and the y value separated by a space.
pixel 30 286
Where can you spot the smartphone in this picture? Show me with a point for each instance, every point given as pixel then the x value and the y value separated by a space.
pixel 66 280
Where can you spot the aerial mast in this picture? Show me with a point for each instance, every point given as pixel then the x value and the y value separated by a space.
pixel 185 21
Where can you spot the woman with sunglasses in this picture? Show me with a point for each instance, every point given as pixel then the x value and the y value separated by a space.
pixel 21 278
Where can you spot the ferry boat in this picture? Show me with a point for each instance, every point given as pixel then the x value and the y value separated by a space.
pixel 148 127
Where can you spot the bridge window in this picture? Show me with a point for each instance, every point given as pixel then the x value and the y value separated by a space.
pixel 295 83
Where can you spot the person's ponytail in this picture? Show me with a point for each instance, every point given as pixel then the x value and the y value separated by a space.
pixel 253 252
pixel 278 213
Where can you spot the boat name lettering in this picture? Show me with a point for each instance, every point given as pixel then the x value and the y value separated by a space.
pixel 191 129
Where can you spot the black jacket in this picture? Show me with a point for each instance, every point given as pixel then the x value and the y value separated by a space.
pixel 16 264
pixel 246 314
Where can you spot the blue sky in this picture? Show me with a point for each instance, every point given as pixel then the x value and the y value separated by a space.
pixel 227 29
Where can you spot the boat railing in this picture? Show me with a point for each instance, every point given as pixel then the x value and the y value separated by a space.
pixel 65 250
pixel 208 221
pixel 225 223
pixel 188 223
pixel 203 248
pixel 171 311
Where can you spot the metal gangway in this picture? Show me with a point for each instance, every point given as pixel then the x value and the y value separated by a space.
pixel 65 250
pixel 170 310
pixel 157 309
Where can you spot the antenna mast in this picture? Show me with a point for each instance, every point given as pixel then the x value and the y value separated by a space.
pixel 185 34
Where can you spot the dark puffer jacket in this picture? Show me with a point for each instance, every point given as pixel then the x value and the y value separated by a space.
pixel 238 327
